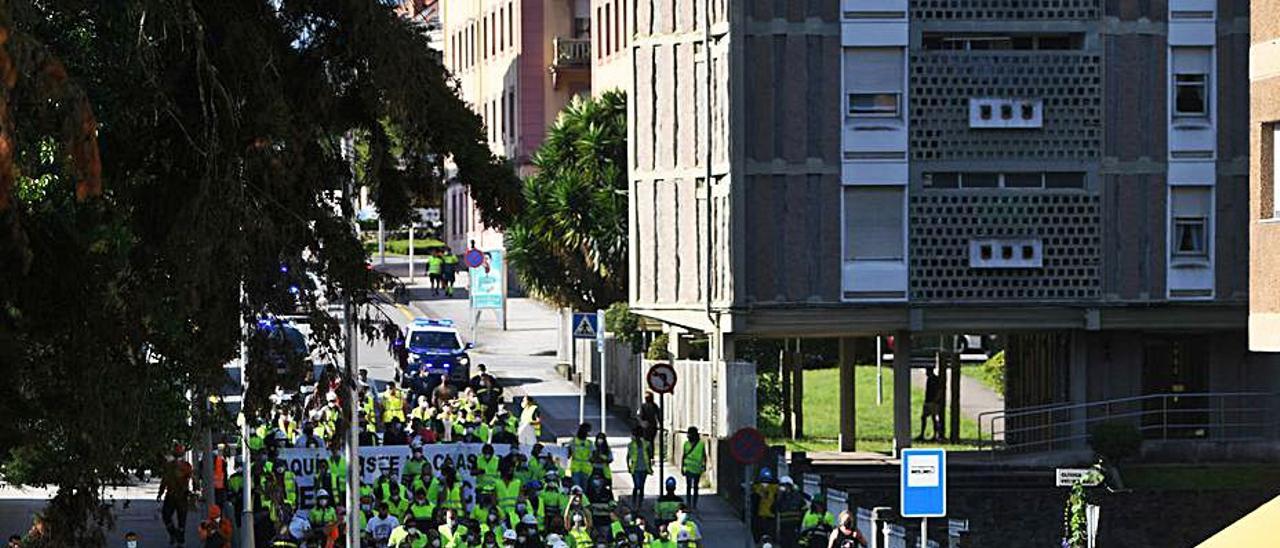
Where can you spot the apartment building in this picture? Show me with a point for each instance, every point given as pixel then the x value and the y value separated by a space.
pixel 1069 175
pixel 1264 172
pixel 614 24
pixel 517 62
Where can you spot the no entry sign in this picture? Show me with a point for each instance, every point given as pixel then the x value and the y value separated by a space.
pixel 747 446
pixel 661 378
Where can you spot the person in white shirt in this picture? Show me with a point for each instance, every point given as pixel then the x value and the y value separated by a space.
pixel 381 525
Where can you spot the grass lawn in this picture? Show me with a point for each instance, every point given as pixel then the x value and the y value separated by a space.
pixel 990 373
pixel 421 246
pixel 1245 476
pixel 875 422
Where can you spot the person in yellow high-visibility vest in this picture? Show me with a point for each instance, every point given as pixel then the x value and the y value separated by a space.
pixel 580 455
pixel 452 533
pixel 683 530
pixel 694 463
pixel 392 403
pixel 638 464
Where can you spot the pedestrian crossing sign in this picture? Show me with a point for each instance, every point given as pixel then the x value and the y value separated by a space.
pixel 584 325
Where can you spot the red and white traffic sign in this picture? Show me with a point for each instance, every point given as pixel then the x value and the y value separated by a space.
pixel 662 378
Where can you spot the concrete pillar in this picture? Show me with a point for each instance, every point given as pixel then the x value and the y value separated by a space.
pixel 797 396
pixel 848 409
pixel 953 358
pixel 901 391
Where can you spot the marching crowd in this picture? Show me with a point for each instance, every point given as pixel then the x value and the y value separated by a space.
pixel 514 492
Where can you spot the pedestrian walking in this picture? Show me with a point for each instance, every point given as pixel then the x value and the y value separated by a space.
pixel 931 409
pixel 694 463
pixel 175 492
pixel 639 464
pixel 649 416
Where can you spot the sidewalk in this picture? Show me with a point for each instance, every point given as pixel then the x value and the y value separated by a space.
pixel 135 509
pixel 523 359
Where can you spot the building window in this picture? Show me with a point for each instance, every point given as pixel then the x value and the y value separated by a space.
pixel 511 114
pixel 874 83
pixel 1024 180
pixel 1191 95
pixel 1190 230
pixel 1189 237
pixel 874 223
pixel 873 105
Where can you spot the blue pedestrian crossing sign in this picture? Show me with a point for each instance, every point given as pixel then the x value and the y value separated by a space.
pixel 923 483
pixel 585 325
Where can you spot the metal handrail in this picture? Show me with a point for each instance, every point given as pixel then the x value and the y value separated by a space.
pixel 1084 414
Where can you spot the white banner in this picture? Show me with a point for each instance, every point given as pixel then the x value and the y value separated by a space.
pixel 374 460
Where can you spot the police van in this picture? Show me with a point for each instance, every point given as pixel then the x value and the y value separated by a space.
pixel 433 350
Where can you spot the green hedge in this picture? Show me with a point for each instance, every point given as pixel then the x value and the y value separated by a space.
pixel 401 247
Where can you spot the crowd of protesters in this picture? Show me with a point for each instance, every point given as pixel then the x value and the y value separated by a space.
pixel 515 492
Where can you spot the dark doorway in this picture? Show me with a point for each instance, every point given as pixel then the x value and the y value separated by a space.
pixel 1176 366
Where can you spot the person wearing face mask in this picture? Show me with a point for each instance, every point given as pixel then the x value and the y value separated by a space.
pixel 580 456
pixel 420 509
pixel 683 530
pixel 452 533
pixel 216 532
pixel 847 534
pixel 130 541
pixel 381 525
pixel 602 458
pixel 323 514
pixel 580 533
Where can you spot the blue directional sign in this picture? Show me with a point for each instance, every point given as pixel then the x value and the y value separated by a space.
pixel 924 483
pixel 585 325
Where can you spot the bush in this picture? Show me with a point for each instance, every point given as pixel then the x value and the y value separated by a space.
pixel 992 372
pixel 658 348
pixel 1115 441
pixel 619 320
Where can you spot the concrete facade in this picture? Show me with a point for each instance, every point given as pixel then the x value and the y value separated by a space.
pixel 517 62
pixel 1264 131
pixel 1048 170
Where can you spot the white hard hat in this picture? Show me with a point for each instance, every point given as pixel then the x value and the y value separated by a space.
pixel 787 480
pixel 322 493
pixel 528 519
pixel 509 534
pixel 331 396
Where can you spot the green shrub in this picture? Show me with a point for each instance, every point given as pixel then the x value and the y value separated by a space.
pixel 658 348
pixel 619 320
pixel 1115 441
pixel 992 372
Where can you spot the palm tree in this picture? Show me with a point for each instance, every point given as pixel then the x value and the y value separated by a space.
pixel 569 245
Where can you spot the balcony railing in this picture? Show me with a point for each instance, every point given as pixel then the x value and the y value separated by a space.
pixel 572 52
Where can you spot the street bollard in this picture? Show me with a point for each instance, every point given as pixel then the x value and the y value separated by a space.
pixel 895 536
pixel 878 515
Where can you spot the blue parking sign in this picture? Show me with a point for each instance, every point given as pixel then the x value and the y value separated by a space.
pixel 923 483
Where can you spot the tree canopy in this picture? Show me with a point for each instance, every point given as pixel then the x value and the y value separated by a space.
pixel 154 155
pixel 569 245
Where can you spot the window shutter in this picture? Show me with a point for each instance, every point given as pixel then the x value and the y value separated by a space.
pixel 874 224
pixel 870 70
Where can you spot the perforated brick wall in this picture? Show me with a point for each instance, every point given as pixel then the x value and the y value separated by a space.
pixel 1069 82
pixel 1005 9
pixel 943 222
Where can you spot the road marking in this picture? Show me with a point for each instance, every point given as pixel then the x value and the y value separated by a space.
pixel 408 314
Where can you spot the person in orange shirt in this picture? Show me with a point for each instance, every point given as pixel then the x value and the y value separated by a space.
pixel 216 531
